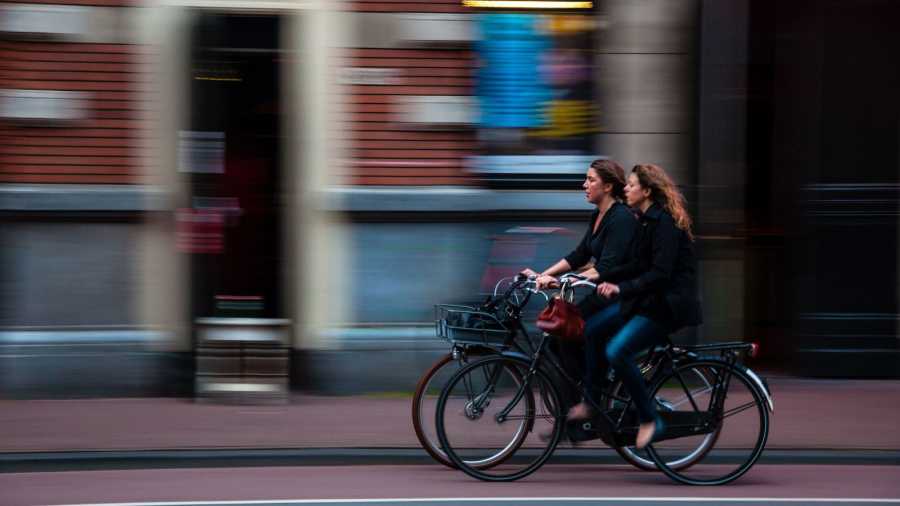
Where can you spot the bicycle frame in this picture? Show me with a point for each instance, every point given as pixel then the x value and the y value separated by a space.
pixel 535 362
pixel 618 430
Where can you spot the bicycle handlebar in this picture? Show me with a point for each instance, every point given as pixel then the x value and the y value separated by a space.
pixel 579 280
pixel 528 284
pixel 520 282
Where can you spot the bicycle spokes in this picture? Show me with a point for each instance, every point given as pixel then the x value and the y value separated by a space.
pixel 738 409
pixel 493 409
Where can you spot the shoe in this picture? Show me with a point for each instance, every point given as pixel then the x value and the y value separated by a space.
pixel 580 411
pixel 649 432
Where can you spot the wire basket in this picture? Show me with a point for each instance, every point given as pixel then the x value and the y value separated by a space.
pixel 467 325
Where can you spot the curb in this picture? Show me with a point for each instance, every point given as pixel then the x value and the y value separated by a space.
pixel 160 459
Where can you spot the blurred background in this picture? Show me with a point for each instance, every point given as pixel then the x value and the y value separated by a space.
pixel 221 198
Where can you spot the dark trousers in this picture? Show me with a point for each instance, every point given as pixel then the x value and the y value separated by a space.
pixel 625 340
pixel 572 354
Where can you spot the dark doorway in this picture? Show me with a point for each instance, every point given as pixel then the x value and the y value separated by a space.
pixel 230 155
pixel 822 191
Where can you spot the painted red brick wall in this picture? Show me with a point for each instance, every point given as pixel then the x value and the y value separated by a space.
pixel 385 151
pixel 102 147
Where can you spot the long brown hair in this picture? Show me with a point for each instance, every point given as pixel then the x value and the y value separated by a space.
pixel 664 192
pixel 612 173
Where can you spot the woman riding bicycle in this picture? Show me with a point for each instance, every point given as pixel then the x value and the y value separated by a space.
pixel 610 231
pixel 655 294
pixel 608 240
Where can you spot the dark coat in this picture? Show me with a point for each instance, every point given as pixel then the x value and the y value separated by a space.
pixel 660 281
pixel 611 244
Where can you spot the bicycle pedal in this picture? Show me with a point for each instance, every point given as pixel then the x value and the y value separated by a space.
pixel 577 435
pixel 585 430
pixel 588 431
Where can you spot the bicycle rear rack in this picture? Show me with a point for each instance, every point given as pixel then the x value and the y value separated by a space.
pixel 710 349
pixel 732 346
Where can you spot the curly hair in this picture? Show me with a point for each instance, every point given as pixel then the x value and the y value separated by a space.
pixel 612 173
pixel 665 193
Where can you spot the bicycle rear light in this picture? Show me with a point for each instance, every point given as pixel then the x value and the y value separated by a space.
pixel 754 350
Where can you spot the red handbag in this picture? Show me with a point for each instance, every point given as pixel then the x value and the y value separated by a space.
pixel 562 319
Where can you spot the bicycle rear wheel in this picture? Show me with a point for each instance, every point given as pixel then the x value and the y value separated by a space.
pixel 681 460
pixel 728 403
pixel 485 413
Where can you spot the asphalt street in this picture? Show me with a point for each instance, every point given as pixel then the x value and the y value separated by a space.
pixel 543 501
pixel 420 484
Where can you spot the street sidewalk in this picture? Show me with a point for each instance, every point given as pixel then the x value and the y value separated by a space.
pixel 809 415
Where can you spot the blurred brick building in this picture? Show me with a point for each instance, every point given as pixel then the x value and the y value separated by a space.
pixel 409 93
pixel 76 111
pixel 76 97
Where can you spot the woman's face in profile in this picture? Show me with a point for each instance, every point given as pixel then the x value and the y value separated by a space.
pixel 593 187
pixel 635 194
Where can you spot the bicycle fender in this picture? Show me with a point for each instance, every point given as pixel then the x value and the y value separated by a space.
pixel 516 355
pixel 761 383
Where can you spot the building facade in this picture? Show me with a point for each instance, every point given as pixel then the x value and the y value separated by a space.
pixel 240 198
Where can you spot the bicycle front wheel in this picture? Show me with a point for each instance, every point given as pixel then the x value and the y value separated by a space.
pixel 724 400
pixel 488 411
pixel 425 401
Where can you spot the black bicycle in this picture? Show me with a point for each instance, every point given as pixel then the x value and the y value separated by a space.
pixel 490 328
pixel 512 402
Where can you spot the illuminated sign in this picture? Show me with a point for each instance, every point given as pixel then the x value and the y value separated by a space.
pixel 511 88
pixel 536 75
pixel 527 4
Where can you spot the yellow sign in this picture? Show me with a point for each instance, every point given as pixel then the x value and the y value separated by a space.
pixel 567 118
pixel 528 4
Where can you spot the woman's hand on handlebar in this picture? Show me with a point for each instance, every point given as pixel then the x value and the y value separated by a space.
pixel 545 281
pixel 528 273
pixel 541 281
pixel 607 290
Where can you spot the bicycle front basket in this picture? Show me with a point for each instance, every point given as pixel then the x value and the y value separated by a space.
pixel 468 325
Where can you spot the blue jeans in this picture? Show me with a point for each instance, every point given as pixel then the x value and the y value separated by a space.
pixel 628 339
pixel 597 330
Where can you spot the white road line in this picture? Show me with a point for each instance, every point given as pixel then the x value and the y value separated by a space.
pixel 509 499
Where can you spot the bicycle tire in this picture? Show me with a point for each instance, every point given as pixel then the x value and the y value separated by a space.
pixel 431 445
pixel 516 366
pixel 428 445
pixel 719 368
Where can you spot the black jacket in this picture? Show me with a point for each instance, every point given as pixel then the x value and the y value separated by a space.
pixel 660 281
pixel 611 245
